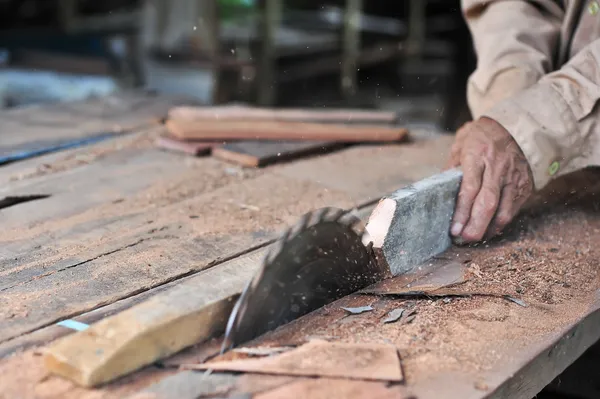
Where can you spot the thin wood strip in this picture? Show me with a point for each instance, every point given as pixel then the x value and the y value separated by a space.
pixel 277 130
pixel 189 113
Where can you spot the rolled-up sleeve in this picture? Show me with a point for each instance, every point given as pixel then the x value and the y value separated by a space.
pixel 515 43
pixel 555 121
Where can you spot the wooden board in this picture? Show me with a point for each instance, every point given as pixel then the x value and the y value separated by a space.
pixel 262 153
pixel 283 130
pixel 238 112
pixel 151 234
pixel 41 127
pixel 163 325
pixel 52 332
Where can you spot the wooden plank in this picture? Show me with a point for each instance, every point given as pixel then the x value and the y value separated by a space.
pixel 135 245
pixel 187 314
pixel 472 347
pixel 282 114
pixel 283 130
pixel 262 153
pixel 53 332
pixel 148 240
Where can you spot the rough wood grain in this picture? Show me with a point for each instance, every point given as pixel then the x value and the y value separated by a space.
pixel 262 153
pixel 318 358
pixel 277 130
pixel 52 332
pixel 105 251
pixel 74 120
pixel 237 112
pixel 189 313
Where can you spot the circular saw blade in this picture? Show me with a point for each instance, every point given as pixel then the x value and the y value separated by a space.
pixel 321 259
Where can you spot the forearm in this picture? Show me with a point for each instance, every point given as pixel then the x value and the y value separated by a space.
pixel 515 42
pixel 556 121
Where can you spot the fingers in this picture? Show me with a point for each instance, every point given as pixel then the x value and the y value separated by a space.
pixel 511 201
pixel 484 206
pixel 473 170
pixel 506 211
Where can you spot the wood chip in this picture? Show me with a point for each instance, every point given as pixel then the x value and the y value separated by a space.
pixel 358 310
pixel 515 300
pixel 408 316
pixel 263 351
pixel 317 358
pixel 394 315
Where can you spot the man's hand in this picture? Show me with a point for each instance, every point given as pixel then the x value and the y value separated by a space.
pixel 497 180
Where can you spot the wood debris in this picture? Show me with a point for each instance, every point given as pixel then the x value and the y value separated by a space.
pixel 318 358
pixel 358 310
pixel 394 315
pixel 263 351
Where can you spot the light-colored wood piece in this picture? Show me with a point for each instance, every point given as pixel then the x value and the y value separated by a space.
pixel 237 112
pixel 183 316
pixel 318 358
pixel 283 130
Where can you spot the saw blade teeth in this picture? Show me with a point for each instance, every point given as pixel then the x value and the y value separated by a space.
pixel 318 216
pixel 301 225
pixel 334 214
pixel 353 222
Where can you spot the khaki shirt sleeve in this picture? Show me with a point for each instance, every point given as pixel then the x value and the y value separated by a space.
pixel 556 121
pixel 515 42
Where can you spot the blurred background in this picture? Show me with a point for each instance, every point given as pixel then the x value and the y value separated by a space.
pixel 411 56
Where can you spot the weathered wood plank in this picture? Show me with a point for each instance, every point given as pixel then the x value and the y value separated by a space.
pixel 189 313
pixel 53 331
pixel 113 251
pixel 115 113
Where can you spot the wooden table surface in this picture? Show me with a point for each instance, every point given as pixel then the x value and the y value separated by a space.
pixel 123 221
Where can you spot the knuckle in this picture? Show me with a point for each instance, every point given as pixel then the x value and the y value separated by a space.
pixel 503 219
pixel 469 189
pixel 489 200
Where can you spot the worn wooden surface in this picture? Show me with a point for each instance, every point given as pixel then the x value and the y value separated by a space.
pixel 125 221
pixel 70 120
pixel 121 219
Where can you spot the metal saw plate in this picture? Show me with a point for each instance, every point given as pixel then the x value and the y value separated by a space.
pixel 319 260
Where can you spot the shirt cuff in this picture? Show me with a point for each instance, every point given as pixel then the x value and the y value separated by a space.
pixel 544 127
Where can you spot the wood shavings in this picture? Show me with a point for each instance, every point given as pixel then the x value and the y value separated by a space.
pixel 263 351
pixel 394 315
pixel 358 310
pixel 515 300
pixel 360 361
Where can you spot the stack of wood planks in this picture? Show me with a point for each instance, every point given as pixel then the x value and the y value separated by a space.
pixel 257 136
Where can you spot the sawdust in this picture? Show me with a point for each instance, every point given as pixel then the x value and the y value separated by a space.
pixel 549 260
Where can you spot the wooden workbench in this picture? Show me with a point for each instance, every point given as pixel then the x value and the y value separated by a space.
pixel 123 221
